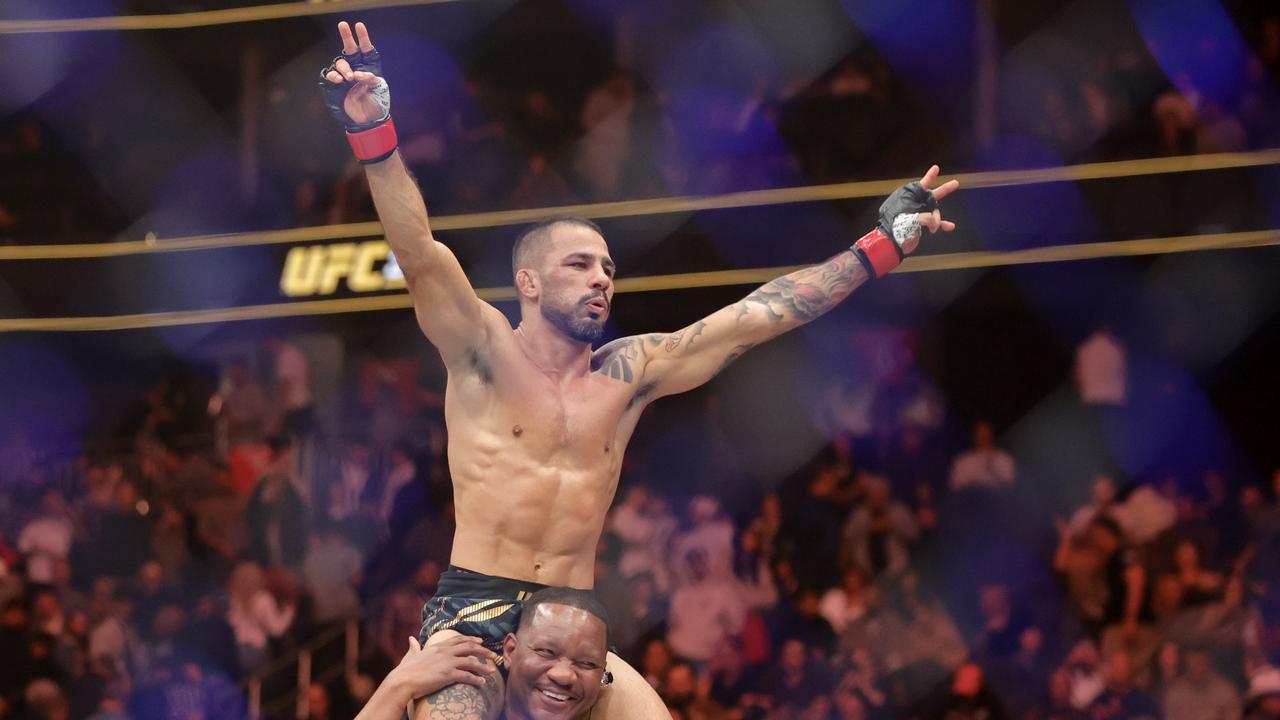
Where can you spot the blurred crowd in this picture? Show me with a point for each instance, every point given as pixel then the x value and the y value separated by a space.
pixel 897 574
pixel 493 144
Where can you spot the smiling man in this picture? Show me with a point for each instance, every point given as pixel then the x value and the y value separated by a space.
pixel 538 419
pixel 556 658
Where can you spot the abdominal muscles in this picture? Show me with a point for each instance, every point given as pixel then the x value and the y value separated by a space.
pixel 531 504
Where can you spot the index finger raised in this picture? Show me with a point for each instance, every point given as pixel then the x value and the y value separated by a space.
pixel 362 35
pixel 348 40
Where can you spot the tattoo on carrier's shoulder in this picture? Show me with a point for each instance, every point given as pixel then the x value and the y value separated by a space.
pixel 464 702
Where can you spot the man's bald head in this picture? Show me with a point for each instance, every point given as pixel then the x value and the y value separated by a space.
pixel 531 247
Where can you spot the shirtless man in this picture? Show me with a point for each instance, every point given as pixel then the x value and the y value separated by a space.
pixel 537 420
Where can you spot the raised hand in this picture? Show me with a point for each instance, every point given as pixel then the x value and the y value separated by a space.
pixel 918 195
pixel 355 79
pixel 903 215
pixel 934 220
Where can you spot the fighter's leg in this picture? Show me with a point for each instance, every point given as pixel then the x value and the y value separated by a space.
pixel 462 702
pixel 629 696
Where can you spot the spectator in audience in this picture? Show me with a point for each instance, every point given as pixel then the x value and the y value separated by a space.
pixel 44 700
pixel 123 541
pixel 612 590
pixel 877 537
pixel 685 693
pixel 331 572
pixel 796 678
pixel 276 513
pixel 800 619
pixel 709 532
pixel 967 696
pixel 812 526
pixel 985 466
pixel 926 633
pixel 319 706
pixel 630 522
pixel 1199 585
pixel 706 613
pixel 1121 698
pixel 1216 626
pixel 1201 693
pixel 846 603
pixel 151 591
pixel 1018 677
pixel 241 405
pixel 999 636
pixel 1101 497
pixel 46 539
pixel 47 616
pixel 648 606
pixel 1058 705
pixel 211 638
pixel 291 371
pixel 113 638
pixel 1083 666
pixel 1100 370
pixel 730 681
pixel 255 616
pixel 765 527
pixel 849 704
pixel 656 657
pixel 347 495
pixel 1107 580
pixel 403 471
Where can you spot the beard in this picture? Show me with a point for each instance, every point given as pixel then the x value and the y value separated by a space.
pixel 582 329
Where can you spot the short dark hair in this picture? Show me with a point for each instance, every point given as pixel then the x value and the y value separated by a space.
pixel 572 597
pixel 533 238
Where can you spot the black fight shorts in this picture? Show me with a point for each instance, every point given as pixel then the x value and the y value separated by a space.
pixel 477 605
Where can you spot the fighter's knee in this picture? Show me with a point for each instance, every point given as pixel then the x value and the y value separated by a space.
pixel 441 636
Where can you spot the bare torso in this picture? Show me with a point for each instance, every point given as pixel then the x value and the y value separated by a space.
pixel 535 458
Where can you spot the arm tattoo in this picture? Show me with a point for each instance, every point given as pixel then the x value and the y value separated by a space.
pixel 627 357
pixel 464 702
pixel 696 331
pixel 673 340
pixel 805 294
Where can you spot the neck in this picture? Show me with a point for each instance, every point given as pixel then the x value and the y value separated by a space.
pixel 551 351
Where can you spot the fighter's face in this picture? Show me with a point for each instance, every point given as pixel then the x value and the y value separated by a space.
pixel 556 663
pixel 577 282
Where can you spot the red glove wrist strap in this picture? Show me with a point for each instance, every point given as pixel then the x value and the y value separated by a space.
pixel 375 144
pixel 878 252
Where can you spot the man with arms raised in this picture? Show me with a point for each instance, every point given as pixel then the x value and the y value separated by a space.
pixel 538 421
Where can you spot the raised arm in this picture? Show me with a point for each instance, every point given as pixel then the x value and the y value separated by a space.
pixel 666 364
pixel 448 310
